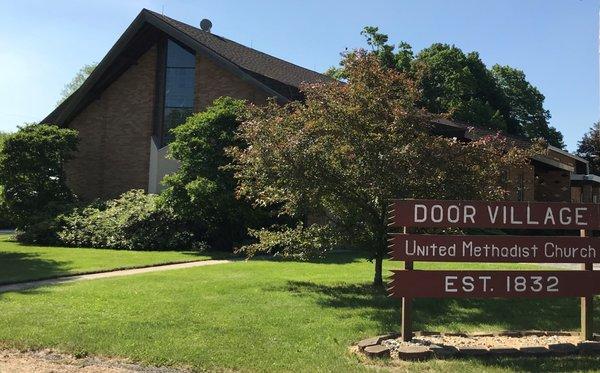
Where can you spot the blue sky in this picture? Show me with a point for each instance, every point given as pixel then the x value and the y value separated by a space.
pixel 44 43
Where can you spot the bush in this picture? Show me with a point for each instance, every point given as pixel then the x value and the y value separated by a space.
pixel 5 220
pixel 34 189
pixel 133 221
pixel 202 190
pixel 300 242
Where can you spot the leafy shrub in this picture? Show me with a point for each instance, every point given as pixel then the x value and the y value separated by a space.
pixel 202 190
pixel 133 221
pixel 5 221
pixel 34 189
pixel 299 242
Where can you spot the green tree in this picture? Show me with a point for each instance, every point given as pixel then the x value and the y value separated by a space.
pixel 460 86
pixel 5 221
pixel 526 105
pixel 77 81
pixel 201 191
pixel 340 156
pixel 32 172
pixel 589 147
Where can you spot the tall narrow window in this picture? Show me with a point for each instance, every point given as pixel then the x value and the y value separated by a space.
pixel 179 88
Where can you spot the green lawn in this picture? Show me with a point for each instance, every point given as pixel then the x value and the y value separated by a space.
pixel 22 262
pixel 262 316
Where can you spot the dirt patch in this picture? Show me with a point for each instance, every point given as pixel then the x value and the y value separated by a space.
pixel 46 361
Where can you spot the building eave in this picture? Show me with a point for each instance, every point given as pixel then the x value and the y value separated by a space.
pixel 71 106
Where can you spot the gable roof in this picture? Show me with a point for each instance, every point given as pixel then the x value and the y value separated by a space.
pixel 247 58
pixel 279 78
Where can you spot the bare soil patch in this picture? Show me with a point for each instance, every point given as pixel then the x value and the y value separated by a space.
pixel 46 361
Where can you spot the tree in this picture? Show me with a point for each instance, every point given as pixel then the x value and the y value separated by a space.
pixel 5 220
pixel 526 105
pixel 77 81
pixel 589 147
pixel 32 172
pixel 340 156
pixel 460 86
pixel 201 191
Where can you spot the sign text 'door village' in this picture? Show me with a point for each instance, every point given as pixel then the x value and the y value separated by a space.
pixel 498 248
pixel 477 214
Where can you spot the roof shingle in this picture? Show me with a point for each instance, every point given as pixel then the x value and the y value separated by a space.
pixel 247 58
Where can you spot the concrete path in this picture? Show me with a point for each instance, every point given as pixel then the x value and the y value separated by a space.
pixel 570 266
pixel 93 276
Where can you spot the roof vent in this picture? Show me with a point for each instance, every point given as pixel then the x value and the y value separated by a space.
pixel 206 25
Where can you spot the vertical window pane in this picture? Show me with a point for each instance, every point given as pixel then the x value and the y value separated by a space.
pixel 178 56
pixel 173 118
pixel 179 88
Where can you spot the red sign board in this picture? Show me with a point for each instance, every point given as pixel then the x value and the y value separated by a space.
pixel 408 284
pixel 478 214
pixel 494 284
pixel 511 249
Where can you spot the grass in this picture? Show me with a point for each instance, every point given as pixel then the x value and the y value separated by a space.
pixel 23 262
pixel 263 316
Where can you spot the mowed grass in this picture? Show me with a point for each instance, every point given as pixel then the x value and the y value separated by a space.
pixel 23 262
pixel 264 316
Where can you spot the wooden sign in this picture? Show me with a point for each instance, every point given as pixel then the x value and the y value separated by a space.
pixel 478 214
pixel 494 284
pixel 499 249
pixel 408 284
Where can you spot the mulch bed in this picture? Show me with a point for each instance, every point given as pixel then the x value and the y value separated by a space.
pixel 427 345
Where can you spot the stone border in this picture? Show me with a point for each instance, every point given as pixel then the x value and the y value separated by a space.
pixel 374 348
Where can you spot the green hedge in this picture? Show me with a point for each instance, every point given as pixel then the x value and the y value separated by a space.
pixel 133 221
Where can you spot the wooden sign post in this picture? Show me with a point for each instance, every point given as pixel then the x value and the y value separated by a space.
pixel 409 283
pixel 587 303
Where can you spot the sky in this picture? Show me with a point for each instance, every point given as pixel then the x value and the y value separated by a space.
pixel 44 43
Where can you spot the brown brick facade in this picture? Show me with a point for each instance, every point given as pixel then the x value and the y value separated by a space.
pixel 520 184
pixel 552 185
pixel 114 135
pixel 115 130
pixel 213 81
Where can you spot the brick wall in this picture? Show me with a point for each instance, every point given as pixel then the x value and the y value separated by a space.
pixel 552 185
pixel 213 81
pixel 114 133
pixel 115 130
pixel 513 184
pixel 559 157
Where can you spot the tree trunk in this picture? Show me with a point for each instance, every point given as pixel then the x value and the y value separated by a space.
pixel 380 252
pixel 378 279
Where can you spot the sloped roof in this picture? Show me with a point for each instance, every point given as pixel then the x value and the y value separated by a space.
pixel 277 77
pixel 248 58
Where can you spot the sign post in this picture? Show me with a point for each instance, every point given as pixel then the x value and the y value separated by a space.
pixel 407 305
pixel 409 283
pixel 587 303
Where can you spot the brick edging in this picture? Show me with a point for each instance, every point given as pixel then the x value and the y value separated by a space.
pixel 373 347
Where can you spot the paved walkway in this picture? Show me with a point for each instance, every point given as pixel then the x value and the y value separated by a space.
pixel 93 276
pixel 571 266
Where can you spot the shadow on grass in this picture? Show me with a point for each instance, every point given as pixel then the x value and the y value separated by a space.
pixel 372 303
pixel 15 266
pixel 509 314
pixel 546 364
pixel 446 314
